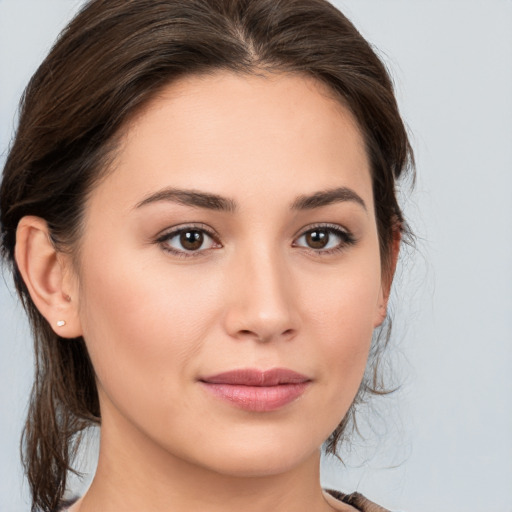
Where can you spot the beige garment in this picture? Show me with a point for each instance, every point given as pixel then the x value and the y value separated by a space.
pixel 358 501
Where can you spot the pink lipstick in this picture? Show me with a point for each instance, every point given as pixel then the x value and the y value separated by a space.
pixel 257 390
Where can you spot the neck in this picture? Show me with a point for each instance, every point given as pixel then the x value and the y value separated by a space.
pixel 134 473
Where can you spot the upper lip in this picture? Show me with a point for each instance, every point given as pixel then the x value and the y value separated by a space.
pixel 255 377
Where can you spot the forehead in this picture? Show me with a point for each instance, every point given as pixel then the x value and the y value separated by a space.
pixel 236 134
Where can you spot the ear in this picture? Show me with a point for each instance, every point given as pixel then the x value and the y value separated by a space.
pixel 387 276
pixel 47 274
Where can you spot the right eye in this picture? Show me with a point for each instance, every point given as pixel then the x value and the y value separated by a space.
pixel 188 241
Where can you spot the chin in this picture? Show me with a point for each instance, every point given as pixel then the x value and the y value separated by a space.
pixel 255 458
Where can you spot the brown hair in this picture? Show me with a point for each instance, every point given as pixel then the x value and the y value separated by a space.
pixel 114 56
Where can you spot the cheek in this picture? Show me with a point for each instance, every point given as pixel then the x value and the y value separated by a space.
pixel 345 303
pixel 141 322
pixel 341 316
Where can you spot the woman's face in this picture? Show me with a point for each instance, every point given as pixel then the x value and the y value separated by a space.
pixel 229 277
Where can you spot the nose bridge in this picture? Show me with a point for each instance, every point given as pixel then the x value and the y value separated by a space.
pixel 263 298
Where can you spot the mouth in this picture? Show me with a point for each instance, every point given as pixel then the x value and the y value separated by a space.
pixel 257 390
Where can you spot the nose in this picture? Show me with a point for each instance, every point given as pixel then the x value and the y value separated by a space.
pixel 262 304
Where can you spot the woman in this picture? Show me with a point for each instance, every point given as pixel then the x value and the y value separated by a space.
pixel 199 209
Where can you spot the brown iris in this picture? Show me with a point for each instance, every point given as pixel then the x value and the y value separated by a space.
pixel 191 240
pixel 317 238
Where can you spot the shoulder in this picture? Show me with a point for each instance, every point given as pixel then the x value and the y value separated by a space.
pixel 358 501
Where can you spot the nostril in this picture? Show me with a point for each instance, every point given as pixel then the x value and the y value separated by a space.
pixel 288 333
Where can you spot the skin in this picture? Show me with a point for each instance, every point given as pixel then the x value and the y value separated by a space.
pixel 255 295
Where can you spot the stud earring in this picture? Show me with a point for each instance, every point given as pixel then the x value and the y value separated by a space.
pixel 61 323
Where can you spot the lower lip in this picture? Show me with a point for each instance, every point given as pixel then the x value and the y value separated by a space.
pixel 257 398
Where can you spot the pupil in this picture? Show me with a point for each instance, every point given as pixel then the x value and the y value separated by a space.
pixel 191 240
pixel 317 239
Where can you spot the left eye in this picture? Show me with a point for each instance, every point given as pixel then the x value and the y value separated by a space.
pixel 324 238
pixel 188 240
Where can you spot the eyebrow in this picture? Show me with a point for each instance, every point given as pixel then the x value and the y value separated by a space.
pixel 191 198
pixel 215 202
pixel 327 197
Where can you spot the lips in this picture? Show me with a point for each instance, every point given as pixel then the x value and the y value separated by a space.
pixel 257 390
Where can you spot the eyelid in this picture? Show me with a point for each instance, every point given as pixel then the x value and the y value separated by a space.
pixel 183 227
pixel 323 225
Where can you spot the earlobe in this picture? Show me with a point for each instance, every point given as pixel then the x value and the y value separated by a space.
pixel 45 274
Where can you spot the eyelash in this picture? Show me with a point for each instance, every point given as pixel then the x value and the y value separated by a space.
pixel 347 239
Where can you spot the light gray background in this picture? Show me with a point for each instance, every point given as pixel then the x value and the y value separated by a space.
pixel 449 445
